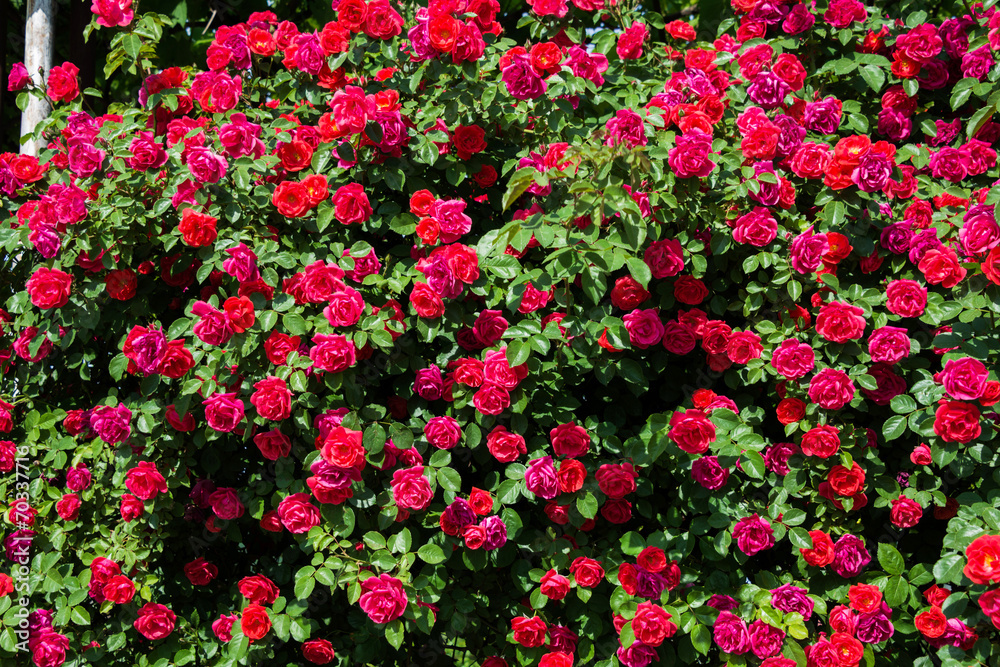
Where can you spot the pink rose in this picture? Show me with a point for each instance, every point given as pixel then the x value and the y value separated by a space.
pixel 226 504
pixel 145 481
pixel 889 344
pixel 410 488
pixel 332 353
pixel 273 399
pixel 443 432
pixel 540 478
pixel 111 424
pixel 906 298
pixel 223 412
pixel 964 379
pixel 758 228
pixel 753 534
pixel 831 389
pixel 383 598
pixel 297 514
pixel 793 359
pixel 644 327
pixel 840 322
pixel 665 258
pixel 629 45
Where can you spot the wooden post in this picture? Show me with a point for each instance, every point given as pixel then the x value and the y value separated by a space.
pixel 38 61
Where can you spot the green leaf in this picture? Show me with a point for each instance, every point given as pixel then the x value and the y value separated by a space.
pixel 132 44
pixel 374 540
pixel 800 538
pixel 80 616
pixel 873 76
pixel 432 554
pixel 449 479
pixel 903 404
pixel 639 270
pixel 587 505
pixel 294 324
pixel 394 633
pixel 701 638
pixel 896 591
pixel 948 570
pixel 890 559
pixel 753 464
pixel 894 427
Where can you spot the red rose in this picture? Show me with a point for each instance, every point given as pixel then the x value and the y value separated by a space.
pixel 292 199
pixel 63 84
pixel 931 623
pixel 652 624
pixel 295 155
pixel 239 312
pixel 68 507
pixel 864 598
pixel 297 513
pixel 617 510
pixel 554 585
pixel 689 290
pixel 155 621
pixel 421 203
pixel 905 512
pixel 272 399
pixel 652 559
pixel 426 301
pixel 226 504
pixel 571 475
pixel 616 480
pixel 273 444
pixel 255 622
pixel 587 572
pixel 822 441
pixel 822 552
pixel 258 589
pixel 131 508
pixel 197 229
pixel 504 445
pixel 469 140
pixel 983 557
pixel 382 22
pixel 49 288
pixel 840 322
pixel 481 501
pixel 692 431
pixel 320 651
pixel 791 410
pixel 351 204
pixel 847 482
pixel 200 572
pixel 121 284
pixel 957 421
pixel 628 294
pixel 529 632
pixel 570 440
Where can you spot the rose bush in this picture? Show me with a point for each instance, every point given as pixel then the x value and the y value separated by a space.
pixel 393 340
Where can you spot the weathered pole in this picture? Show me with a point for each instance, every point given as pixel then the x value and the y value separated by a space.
pixel 38 61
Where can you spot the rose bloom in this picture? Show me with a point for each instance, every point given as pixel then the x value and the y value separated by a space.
pixel 627 294
pixel 822 441
pixel 297 513
pixel 318 651
pixel 155 621
pixel 791 410
pixel 931 623
pixel 983 560
pixel 793 359
pixel 504 445
pixel 964 379
pixel 840 322
pixel 145 481
pixel 906 298
pixel 831 389
pixel 652 624
pixel 570 440
pixel 223 412
pixel 200 572
pixel 889 344
pixel 956 421
pixel 529 632
pixel 753 534
pixel 255 622
pixel 554 585
pixel 822 552
pixel 273 399
pixel 383 598
pixel 692 431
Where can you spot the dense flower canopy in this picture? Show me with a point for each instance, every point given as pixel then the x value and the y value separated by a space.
pixel 397 341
